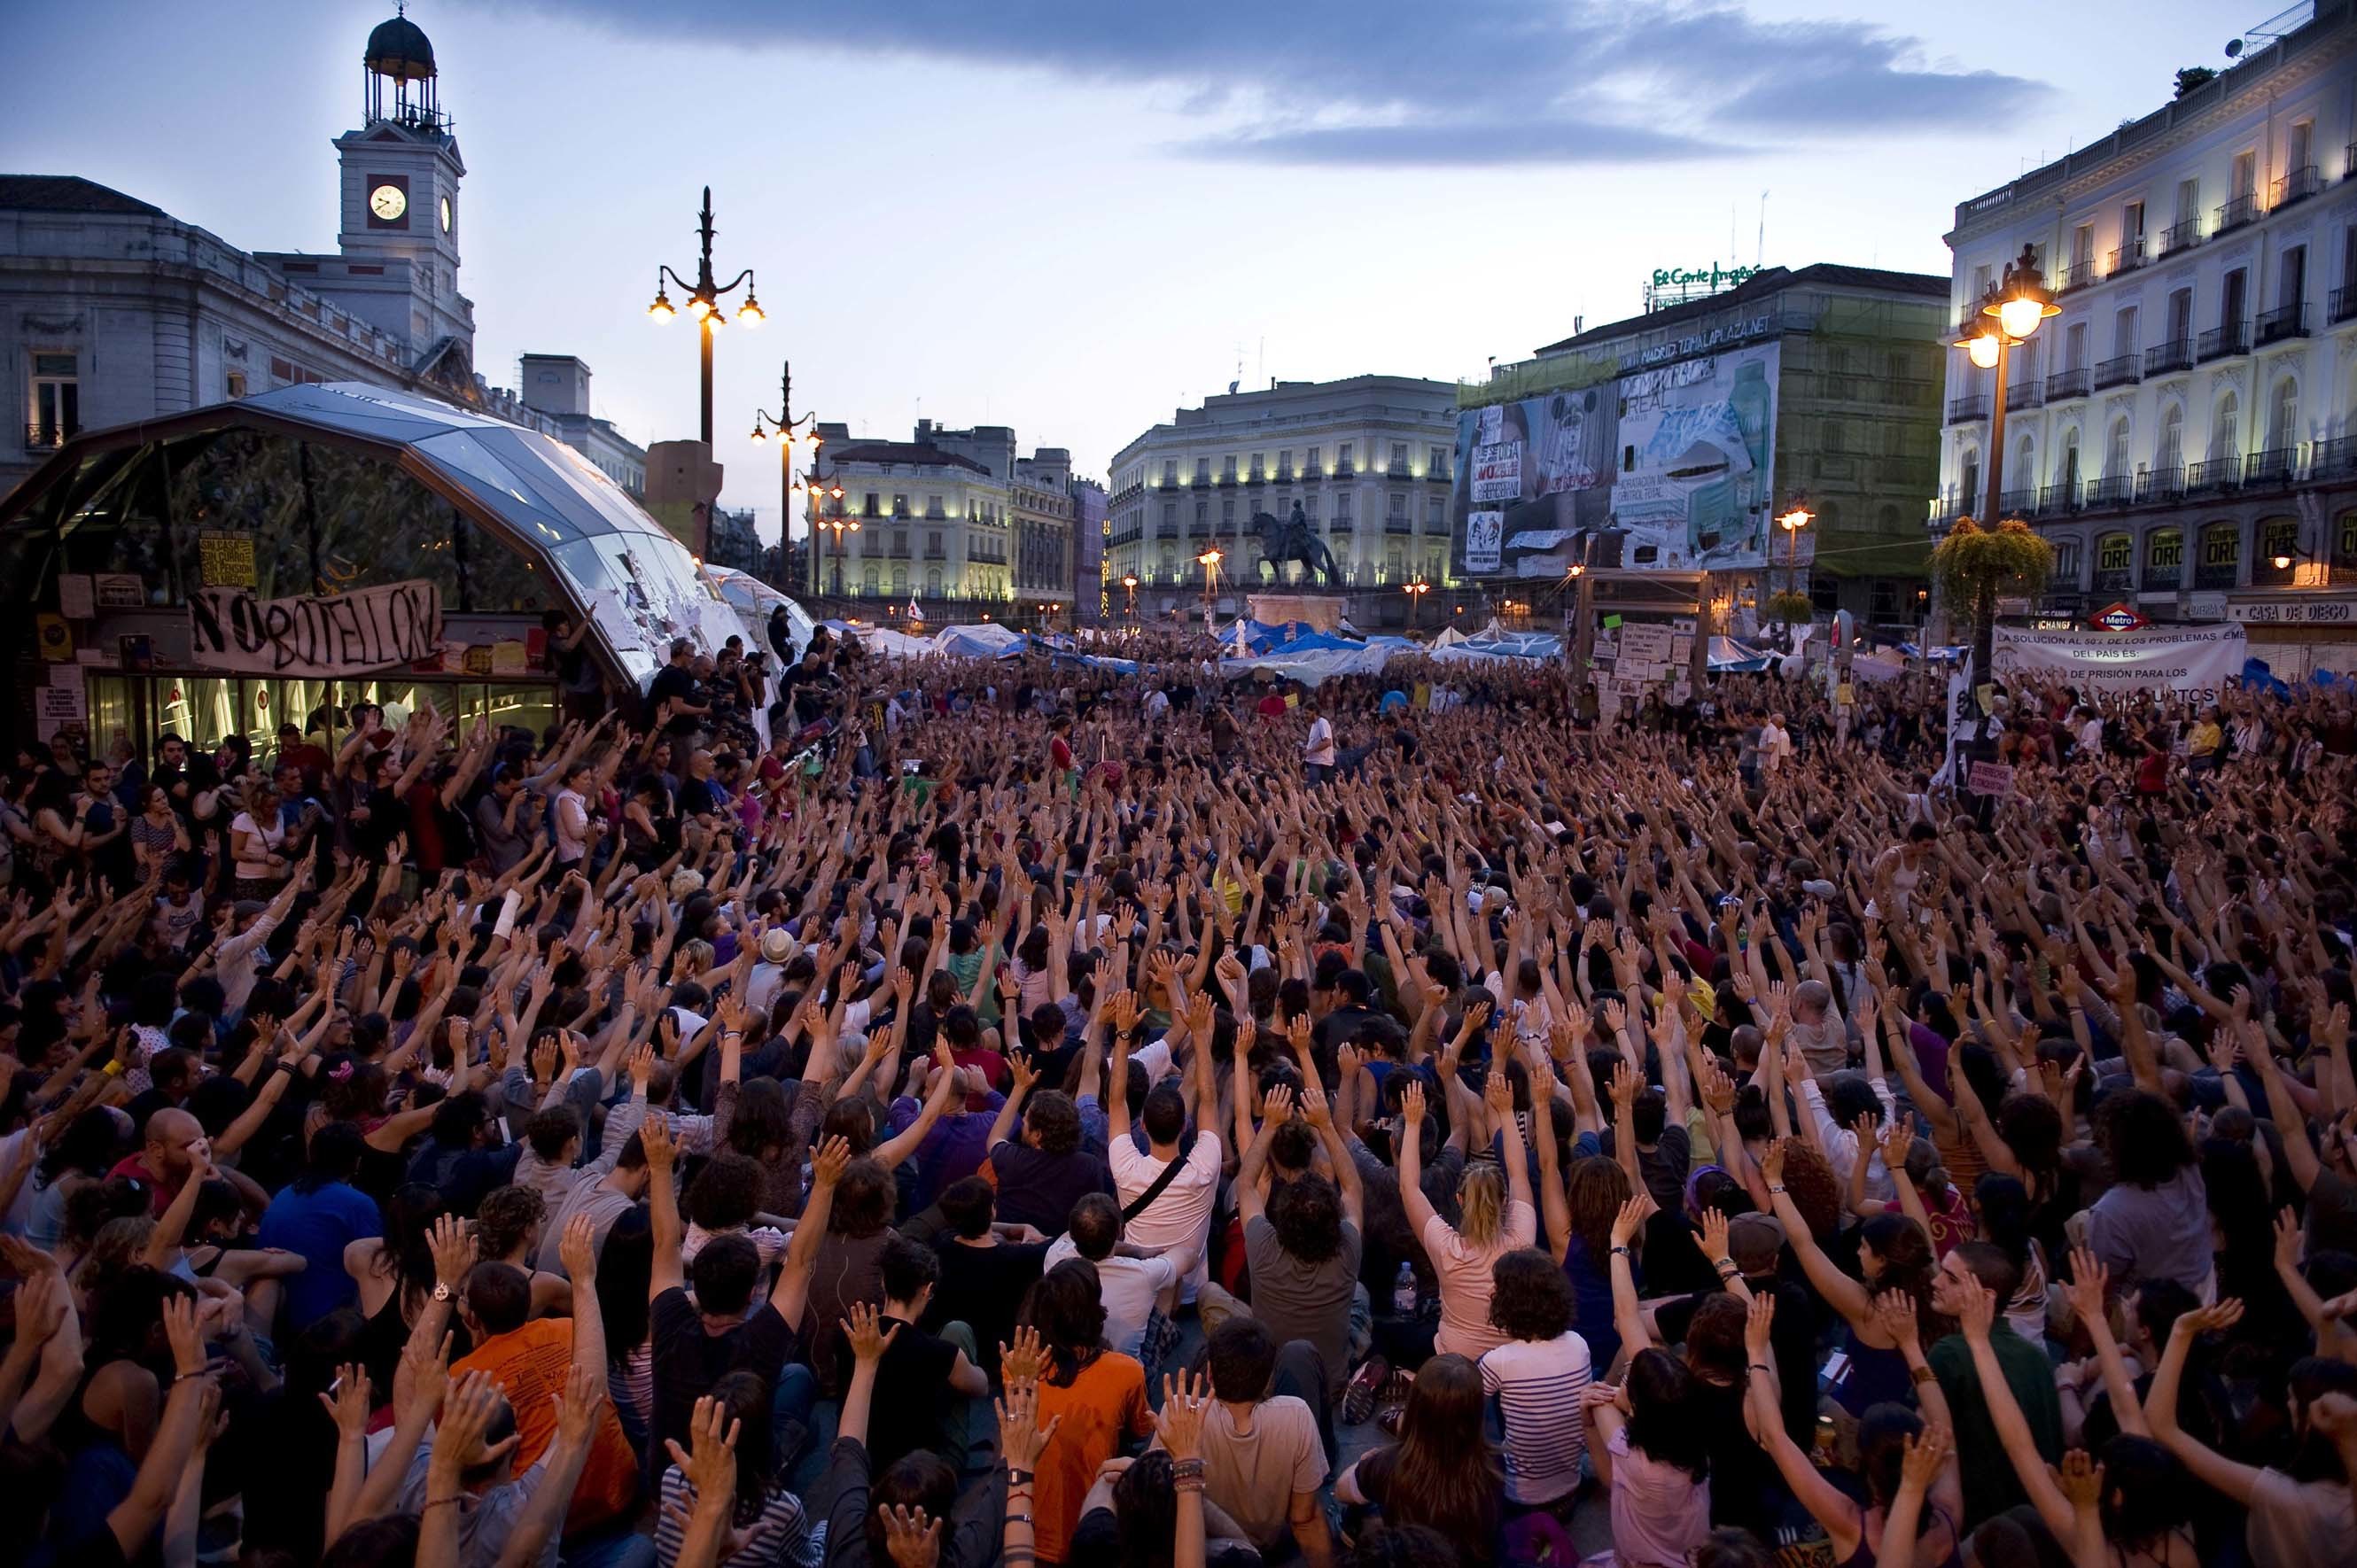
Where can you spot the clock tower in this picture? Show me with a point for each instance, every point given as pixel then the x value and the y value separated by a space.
pixel 400 209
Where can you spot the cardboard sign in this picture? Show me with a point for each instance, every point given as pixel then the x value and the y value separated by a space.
pixel 1994 779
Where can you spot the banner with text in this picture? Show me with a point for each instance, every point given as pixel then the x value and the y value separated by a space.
pixel 315 639
pixel 2193 660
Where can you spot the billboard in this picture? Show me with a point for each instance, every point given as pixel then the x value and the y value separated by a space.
pixel 1669 467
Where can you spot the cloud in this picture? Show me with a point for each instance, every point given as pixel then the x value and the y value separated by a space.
pixel 1392 83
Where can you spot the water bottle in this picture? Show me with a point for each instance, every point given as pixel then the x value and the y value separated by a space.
pixel 1403 1292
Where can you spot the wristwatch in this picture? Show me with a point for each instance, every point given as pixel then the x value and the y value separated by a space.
pixel 441 1290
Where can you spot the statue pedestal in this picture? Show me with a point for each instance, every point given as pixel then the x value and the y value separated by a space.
pixel 1323 612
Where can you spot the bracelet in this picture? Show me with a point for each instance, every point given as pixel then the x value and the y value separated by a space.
pixel 1774 1188
pixel 1623 1252
pixel 432 1503
pixel 1187 1484
pixel 1018 1519
pixel 1722 1264
pixel 1923 1374
pixel 1181 1469
pixel 1016 1478
pixel 112 1070
pixel 1761 1367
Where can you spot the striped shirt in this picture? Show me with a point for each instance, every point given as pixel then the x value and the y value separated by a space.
pixel 780 1536
pixel 1538 1384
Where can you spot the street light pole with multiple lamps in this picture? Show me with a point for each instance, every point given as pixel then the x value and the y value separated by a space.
pixel 704 297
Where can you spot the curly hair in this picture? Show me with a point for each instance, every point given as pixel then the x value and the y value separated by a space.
pixel 726 1192
pixel 506 1222
pixel 1814 1189
pixel 1532 1298
pixel 1307 1213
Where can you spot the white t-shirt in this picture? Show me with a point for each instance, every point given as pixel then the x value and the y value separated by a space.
pixel 261 843
pixel 1181 1215
pixel 1318 749
pixel 1127 1286
pixel 1538 1383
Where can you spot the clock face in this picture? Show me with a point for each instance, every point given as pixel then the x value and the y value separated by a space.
pixel 446 215
pixel 388 202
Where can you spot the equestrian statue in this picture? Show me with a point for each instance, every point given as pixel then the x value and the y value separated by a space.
pixel 1294 540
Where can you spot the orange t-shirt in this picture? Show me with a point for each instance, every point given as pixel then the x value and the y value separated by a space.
pixel 530 1364
pixel 1106 1401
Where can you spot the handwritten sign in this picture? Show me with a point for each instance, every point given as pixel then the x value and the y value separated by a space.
pixel 316 638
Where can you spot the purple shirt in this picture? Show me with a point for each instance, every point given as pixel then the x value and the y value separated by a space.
pixel 952 1150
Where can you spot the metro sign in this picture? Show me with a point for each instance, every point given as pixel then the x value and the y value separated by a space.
pixel 2119 617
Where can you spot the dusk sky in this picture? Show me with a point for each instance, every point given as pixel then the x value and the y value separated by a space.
pixel 1073 217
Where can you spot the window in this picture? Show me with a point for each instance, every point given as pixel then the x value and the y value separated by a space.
pixel 1203 516
pixel 2132 225
pixel 933 583
pixel 56 412
pixel 1435 512
pixel 2234 297
pixel 1435 460
pixel 2074 347
pixel 1257 472
pixel 1970 467
pixel 1228 466
pixel 1394 566
pixel 1832 433
pixel 2124 333
pixel 2222 554
pixel 2291 275
pixel 1203 467
pixel 871 580
pixel 1983 277
pixel 1396 506
pixel 872 509
pixel 933 551
pixel 1311 461
pixel 1285 464
pixel 2189 199
pixel 2300 148
pixel 1341 506
pixel 2066 563
pixel 2083 252
pixel 2282 416
pixel 1170 471
pixel 899 505
pixel 1309 506
pixel 1227 511
pixel 2226 428
pixel 1170 517
pixel 2170 453
pixel 233 385
pixel 1342 457
pixel 2066 468
pixel 2180 315
pixel 2115 561
pixel 1399 454
pixel 899 581
pixel 934 506
pixel 2164 558
pixel 2246 180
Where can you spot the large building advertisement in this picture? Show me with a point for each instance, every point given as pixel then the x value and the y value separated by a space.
pixel 1668 468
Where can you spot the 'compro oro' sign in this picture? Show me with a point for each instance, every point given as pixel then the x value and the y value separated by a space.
pixel 2197 660
pixel 326 638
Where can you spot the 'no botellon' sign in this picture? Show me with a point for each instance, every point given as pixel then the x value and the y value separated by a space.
pixel 314 638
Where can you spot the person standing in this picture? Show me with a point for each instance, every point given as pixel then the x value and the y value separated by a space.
pixel 1317 750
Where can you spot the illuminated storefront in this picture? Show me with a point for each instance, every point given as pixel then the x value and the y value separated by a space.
pixel 320 505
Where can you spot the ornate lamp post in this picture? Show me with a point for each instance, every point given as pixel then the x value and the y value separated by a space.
pixel 704 297
pixel 1415 592
pixel 783 427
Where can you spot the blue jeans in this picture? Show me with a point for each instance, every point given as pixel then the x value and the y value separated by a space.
pixel 789 1408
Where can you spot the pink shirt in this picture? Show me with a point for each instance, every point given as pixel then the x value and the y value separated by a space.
pixel 1468 1279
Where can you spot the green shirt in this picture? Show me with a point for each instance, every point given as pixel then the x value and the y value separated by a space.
pixel 1990 1485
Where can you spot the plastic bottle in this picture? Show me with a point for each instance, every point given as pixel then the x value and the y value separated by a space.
pixel 1403 1292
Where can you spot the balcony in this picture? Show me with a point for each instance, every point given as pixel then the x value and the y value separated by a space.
pixel 1284 475
pixel 2163 358
pixel 2233 214
pixel 2349 163
pixel 2298 186
pixel 1340 525
pixel 1165 530
pixel 1313 472
pixel 2122 371
pixel 2111 489
pixel 1397 471
pixel 2181 236
pixel 1258 476
pixel 2023 395
pixel 2055 500
pixel 2216 475
pixel 49 437
pixel 2128 257
pixel 2277 466
pixel 2224 341
pixel 935 552
pixel 2341 306
pixel 1346 470
pixel 1440 475
pixel 1398 525
pixel 2334 457
pixel 2064 384
pixel 1965 409
pixel 2079 274
pixel 1228 481
pixel 2016 503
pixel 2283 321
pixel 2159 484
pixel 1201 481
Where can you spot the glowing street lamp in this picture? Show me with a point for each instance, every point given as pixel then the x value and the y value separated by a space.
pixel 1415 592
pixel 704 297
pixel 2008 314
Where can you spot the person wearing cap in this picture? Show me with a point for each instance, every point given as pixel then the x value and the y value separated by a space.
pixel 769 977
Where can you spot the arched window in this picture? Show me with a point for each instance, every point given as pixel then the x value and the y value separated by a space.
pixel 2066 468
pixel 2115 449
pixel 932 582
pixel 2170 453
pixel 2025 463
pixel 1970 493
pixel 870 580
pixel 2282 416
pixel 2226 429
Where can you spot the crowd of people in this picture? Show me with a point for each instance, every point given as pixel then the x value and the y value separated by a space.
pixel 1042 1111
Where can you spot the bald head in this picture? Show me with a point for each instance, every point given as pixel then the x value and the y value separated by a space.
pixel 169 1134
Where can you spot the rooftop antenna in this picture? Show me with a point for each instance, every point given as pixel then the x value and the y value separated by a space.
pixel 1760 256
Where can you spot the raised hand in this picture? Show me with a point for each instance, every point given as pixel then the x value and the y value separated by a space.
pixel 1895 1310
pixel 654 1137
pixel 1025 1360
pixel 1021 1438
pixel 1632 1217
pixel 349 1405
pixel 912 1540
pixel 710 1462
pixel 1181 1424
pixel 1712 1237
pixel 1412 1107
pixel 827 1165
pixel 2085 1288
pixel 1926 1451
pixel 865 1331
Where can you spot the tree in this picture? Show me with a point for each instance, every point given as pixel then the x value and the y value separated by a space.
pixel 2194 76
pixel 1976 566
pixel 1792 608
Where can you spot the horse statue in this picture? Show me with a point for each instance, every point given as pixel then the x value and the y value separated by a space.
pixel 1294 540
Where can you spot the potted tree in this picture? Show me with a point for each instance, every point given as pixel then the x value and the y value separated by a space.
pixel 1977 565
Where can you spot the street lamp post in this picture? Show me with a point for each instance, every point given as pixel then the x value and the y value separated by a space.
pixel 1795 518
pixel 1415 592
pixel 704 297
pixel 1209 560
pixel 783 426
pixel 2007 314
pixel 1129 587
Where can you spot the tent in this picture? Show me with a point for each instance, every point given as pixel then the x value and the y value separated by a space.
pixel 987 640
pixel 1449 637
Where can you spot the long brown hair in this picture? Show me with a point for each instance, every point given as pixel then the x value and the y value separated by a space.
pixel 1445 1473
pixel 1596 1189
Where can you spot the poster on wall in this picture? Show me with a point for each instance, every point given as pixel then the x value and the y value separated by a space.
pixel 313 638
pixel 2194 660
pixel 1483 535
pixel 1669 468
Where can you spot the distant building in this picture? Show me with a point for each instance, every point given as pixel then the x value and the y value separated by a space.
pixel 1366 458
pixel 2185 432
pixel 556 386
pixel 1095 596
pixel 1671 440
pixel 112 311
pixel 1040 499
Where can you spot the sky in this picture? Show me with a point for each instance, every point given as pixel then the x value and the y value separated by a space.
pixel 1073 217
